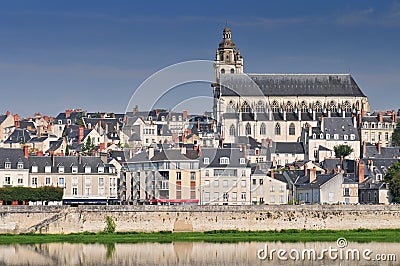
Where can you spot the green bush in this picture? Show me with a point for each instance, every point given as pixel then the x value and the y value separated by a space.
pixel 31 194
pixel 110 225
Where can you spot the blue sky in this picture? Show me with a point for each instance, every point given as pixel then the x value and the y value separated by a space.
pixel 93 54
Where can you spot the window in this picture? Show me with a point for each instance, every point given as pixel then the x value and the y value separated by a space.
pixel 289 107
pixel 234 183
pixel 177 165
pixel 216 195
pixel 178 176
pixel 304 107
pixel 61 181
pixel 207 196
pixel 48 181
pixel 243 172
pixel 34 169
pixel 192 176
pixel 74 180
pixel 74 169
pixel 207 183
pixel 272 199
pixel 352 137
pixel 234 196
pixel 281 189
pixel 226 196
pixel 281 199
pixel 88 181
pixel 260 107
pixel 222 71
pixel 328 136
pixel 331 196
pixel 7 180
pixel 167 165
pixel 224 160
pixel 345 137
pixel 232 71
pixel 206 160
pixel 88 169
pixel 207 173
pixel 47 169
pixel 347 192
pixel 387 136
pixel 20 165
pixel 292 129
pixel 332 106
pixel 243 183
pixel 248 129
pixel 373 136
pixel 243 195
pixel 263 129
pixel 216 183
pixel 101 191
pixel 74 191
pixel 225 183
pixel 277 129
pixel 101 181
pixel 100 169
pixel 242 160
pixel 34 181
pixel 254 181
pixel 20 180
pixel 261 181
pixel 272 189
pixel 347 107
pixel 232 131
pixel 245 107
pixel 336 136
pixel 275 107
pixel 318 107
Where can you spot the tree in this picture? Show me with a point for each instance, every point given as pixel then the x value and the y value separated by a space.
pixel 67 151
pixel 342 151
pixel 392 177
pixel 396 136
pixel 89 147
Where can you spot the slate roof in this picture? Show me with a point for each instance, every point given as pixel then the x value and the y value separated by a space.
pixel 174 155
pixel 386 152
pixel 214 155
pixel 18 136
pixel 289 147
pixel 2 118
pixel 290 84
pixel 54 145
pixel 13 156
pixel 67 162
pixel 119 156
pixel 303 182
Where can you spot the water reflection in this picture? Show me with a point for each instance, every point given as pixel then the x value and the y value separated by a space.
pixel 179 253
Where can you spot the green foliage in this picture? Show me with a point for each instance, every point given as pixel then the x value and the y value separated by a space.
pixel 396 136
pixel 67 151
pixel 110 225
pixel 393 178
pixel 79 120
pixel 31 194
pixel 342 151
pixel 89 147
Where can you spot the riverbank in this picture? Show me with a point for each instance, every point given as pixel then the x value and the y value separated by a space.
pixel 358 235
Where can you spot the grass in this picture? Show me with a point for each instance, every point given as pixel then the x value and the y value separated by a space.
pixel 231 236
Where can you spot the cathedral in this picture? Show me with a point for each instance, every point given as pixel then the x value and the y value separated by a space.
pixel 277 106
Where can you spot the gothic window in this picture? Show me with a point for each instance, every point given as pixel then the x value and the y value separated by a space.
pixel 275 107
pixel 231 107
pixel 232 71
pixel 248 129
pixel 318 107
pixel 289 107
pixel 332 106
pixel 304 107
pixel 277 129
pixel 260 107
pixel 263 130
pixel 232 131
pixel 245 107
pixel 222 71
pixel 347 107
pixel 306 125
pixel 292 129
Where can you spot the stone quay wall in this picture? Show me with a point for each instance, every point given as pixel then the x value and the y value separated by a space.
pixel 65 219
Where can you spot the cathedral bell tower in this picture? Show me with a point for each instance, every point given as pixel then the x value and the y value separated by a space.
pixel 227 58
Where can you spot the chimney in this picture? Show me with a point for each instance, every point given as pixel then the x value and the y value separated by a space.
pixel 26 152
pixel 380 117
pixel 270 143
pixel 361 172
pixel 314 115
pixel 151 152
pixel 379 147
pixel 272 174
pixel 329 113
pixel 183 149
pixel 102 146
pixel 244 151
pixel 394 116
pixel 8 113
pixel 80 134
pixel 305 170
pixel 313 174
pixel 364 146
pixel 67 113
pixel 284 115
pixel 355 121
pixel 53 161
pixel 185 114
pixel 299 114
pixel 106 128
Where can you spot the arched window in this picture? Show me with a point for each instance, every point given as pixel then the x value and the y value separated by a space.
pixel 260 107
pixel 275 107
pixel 347 107
pixel 332 106
pixel 230 108
pixel 248 129
pixel 232 71
pixel 245 107
pixel 292 129
pixel 304 107
pixel 232 130
pixel 289 107
pixel 263 129
pixel 277 129
pixel 318 107
pixel 222 71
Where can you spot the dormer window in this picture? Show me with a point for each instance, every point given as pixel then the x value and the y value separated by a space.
pixel 346 137
pixel 88 169
pixel 100 169
pixel 20 165
pixel 112 170
pixel 321 136
pixel 328 136
pixel 352 136
pixel 61 169
pixel 224 160
pixel 180 118
pixel 7 165
pixel 74 169
pixel 242 161
pixel 314 136
pixel 336 136
pixel 47 169
pixel 206 160
pixel 69 121
pixel 35 169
